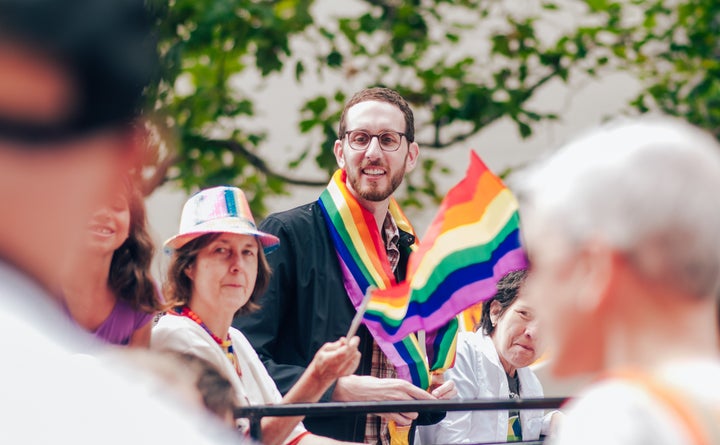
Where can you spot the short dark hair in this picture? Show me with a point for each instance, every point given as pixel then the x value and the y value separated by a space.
pixel 381 95
pixel 107 47
pixel 178 287
pixel 507 292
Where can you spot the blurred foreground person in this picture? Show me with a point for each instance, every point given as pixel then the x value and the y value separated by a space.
pixel 494 363
pixel 194 381
pixel 218 271
pixel 215 390
pixel 71 77
pixel 623 233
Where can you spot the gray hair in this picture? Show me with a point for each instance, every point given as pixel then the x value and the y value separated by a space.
pixel 648 187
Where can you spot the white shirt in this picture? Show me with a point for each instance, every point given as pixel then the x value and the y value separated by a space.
pixel 50 392
pixel 255 387
pixel 478 374
pixel 618 411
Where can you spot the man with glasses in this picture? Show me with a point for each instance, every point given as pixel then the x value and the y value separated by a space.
pixel 313 294
pixel 72 74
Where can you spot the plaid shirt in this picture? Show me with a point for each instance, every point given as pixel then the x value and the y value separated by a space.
pixel 376 428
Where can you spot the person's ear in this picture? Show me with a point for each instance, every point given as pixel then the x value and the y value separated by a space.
pixel 597 265
pixel 189 272
pixel 495 311
pixel 412 157
pixel 338 150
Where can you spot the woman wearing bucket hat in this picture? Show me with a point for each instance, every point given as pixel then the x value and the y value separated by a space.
pixel 218 271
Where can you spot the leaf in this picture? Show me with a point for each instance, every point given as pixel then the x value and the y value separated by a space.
pixel 299 70
pixel 334 58
pixel 307 125
pixel 525 129
pixel 317 105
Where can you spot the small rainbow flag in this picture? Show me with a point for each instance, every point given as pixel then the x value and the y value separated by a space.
pixel 473 241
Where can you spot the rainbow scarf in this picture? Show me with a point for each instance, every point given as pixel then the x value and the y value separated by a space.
pixel 473 242
pixel 363 260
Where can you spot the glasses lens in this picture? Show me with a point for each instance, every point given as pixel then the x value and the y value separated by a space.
pixel 389 141
pixel 359 140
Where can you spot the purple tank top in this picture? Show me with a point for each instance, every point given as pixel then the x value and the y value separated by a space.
pixel 122 322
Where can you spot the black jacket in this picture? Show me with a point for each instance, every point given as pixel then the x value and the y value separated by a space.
pixel 306 306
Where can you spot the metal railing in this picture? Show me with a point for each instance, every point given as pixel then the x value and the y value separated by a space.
pixel 255 413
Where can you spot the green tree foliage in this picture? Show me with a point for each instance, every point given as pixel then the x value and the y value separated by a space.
pixel 462 64
pixel 675 50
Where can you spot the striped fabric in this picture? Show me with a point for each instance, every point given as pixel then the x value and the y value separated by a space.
pixel 363 261
pixel 473 241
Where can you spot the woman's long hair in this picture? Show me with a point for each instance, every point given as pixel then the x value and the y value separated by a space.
pixel 130 278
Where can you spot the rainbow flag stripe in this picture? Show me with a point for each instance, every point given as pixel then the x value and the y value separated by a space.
pixel 473 241
pixel 470 318
pixel 363 262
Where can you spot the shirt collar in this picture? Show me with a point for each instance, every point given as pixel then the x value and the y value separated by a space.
pixel 391 233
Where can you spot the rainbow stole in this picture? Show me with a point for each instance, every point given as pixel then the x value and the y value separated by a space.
pixel 363 260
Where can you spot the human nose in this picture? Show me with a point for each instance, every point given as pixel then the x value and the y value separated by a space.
pixel 373 150
pixel 236 263
pixel 102 214
pixel 531 329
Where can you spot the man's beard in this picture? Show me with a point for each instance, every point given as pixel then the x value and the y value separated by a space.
pixel 374 194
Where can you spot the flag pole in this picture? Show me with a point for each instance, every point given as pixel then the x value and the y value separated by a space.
pixel 355 324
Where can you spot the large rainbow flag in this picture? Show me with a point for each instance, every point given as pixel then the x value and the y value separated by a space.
pixel 473 241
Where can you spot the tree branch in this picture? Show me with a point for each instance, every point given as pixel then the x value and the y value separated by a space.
pixel 259 163
pixel 159 175
pixel 437 144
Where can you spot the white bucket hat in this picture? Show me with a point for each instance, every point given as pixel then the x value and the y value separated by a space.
pixel 218 210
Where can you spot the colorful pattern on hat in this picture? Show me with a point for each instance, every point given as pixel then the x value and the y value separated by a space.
pixel 219 209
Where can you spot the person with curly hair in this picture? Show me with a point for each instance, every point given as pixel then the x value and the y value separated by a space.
pixel 110 291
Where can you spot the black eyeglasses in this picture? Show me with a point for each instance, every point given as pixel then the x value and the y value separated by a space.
pixel 360 140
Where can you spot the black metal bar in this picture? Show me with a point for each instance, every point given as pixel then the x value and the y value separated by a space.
pixel 523 442
pixel 255 427
pixel 416 406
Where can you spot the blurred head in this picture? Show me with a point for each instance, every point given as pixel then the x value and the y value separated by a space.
pixel 97 57
pixel 632 200
pixel 509 320
pixel 219 259
pixel 217 393
pixel 376 166
pixel 70 91
pixel 192 379
pixel 110 225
